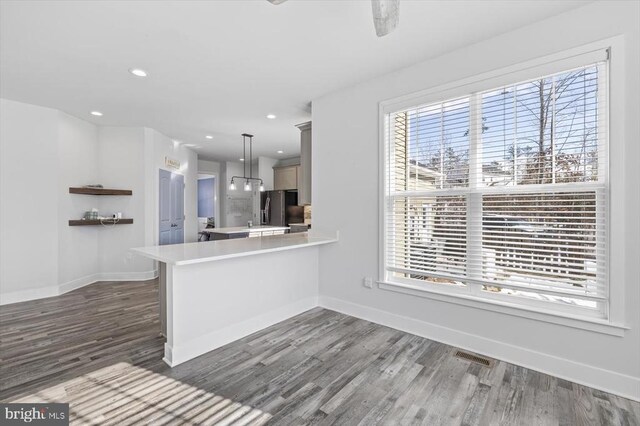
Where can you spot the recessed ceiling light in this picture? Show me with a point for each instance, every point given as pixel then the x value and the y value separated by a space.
pixel 96 113
pixel 241 159
pixel 209 137
pixel 138 72
pixel 271 116
pixel 280 151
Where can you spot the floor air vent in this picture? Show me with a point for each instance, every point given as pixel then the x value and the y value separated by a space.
pixel 474 358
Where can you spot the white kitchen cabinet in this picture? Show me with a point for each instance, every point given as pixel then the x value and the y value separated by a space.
pixel 304 173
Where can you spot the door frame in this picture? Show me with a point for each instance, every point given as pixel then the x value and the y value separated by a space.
pixel 216 196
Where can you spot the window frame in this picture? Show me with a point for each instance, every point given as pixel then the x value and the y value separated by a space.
pixel 559 62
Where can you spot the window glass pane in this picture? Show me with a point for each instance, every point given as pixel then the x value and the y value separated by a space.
pixel 498 138
pixel 428 235
pixel 543 240
pixel 437 144
pixel 533 119
pixel 576 126
pixel 543 131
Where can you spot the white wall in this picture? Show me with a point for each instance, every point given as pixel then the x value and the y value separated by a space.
pixel 121 162
pixel 209 167
pixel 265 171
pixel 43 152
pixel 346 122
pixel 131 158
pixel 28 201
pixel 77 159
pixel 157 147
pixel 60 151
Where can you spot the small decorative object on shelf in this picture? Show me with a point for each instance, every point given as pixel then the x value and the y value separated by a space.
pixel 91 215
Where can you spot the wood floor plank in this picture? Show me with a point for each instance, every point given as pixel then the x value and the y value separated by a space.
pixel 99 348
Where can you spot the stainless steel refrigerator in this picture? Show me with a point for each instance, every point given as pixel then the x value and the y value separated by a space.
pixel 279 208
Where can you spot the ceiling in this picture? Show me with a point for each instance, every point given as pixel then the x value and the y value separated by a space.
pixel 219 67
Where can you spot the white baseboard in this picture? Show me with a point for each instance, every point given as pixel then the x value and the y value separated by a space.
pixel 30 294
pixel 184 352
pixel 595 377
pixel 44 292
pixel 128 276
pixel 77 283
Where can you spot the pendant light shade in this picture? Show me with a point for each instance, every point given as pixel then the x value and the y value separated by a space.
pixel 261 187
pixel 247 185
pixel 232 186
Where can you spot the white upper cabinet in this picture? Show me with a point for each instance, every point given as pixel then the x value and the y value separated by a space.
pixel 304 178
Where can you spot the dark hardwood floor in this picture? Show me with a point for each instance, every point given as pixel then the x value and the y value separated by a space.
pixel 99 349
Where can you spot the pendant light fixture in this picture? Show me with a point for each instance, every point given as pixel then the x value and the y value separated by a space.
pixel 247 179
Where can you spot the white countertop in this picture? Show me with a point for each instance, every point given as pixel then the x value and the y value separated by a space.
pixel 244 229
pixel 207 251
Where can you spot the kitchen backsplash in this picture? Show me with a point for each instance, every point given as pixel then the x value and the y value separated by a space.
pixel 307 215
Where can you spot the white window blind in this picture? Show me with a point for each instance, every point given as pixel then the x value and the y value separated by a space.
pixel 502 194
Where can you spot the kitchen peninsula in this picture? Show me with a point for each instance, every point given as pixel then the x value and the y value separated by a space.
pixel 215 292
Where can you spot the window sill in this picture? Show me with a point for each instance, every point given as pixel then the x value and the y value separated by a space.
pixel 584 323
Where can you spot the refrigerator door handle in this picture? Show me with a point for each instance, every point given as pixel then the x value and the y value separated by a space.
pixel 266 210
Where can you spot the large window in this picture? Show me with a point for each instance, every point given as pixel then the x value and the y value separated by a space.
pixel 501 194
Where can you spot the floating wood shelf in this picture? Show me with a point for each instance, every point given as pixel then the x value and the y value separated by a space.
pixel 99 191
pixel 108 222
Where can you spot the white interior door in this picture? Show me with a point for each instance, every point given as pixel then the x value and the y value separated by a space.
pixel 171 208
pixel 165 208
